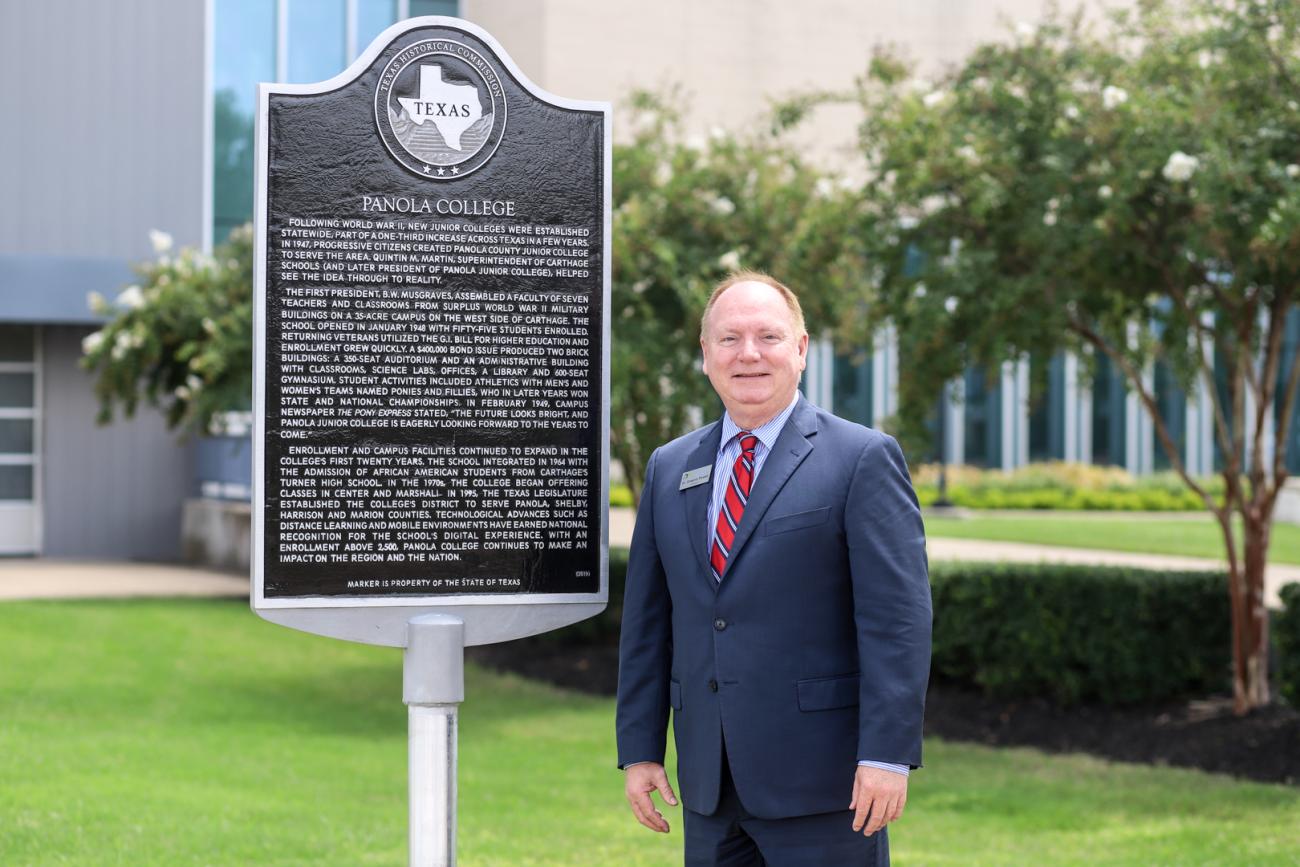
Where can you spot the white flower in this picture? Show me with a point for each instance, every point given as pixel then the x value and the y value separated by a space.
pixel 1072 112
pixel 96 302
pixel 131 298
pixel 92 342
pixel 1081 86
pixel 1113 97
pixel 979 83
pixel 717 133
pixel 1104 191
pixel 663 174
pixel 968 153
pixel 696 142
pixel 1017 91
pixel 824 187
pixel 640 286
pixel 1293 105
pixel 907 221
pixel 919 291
pixel 933 204
pixel 1293 171
pixel 1025 31
pixel 1049 215
pixel 121 345
pixel 193 382
pixel 1180 166
pixel 922 85
pixel 160 241
pixel 722 205
pixel 730 260
pixel 1205 58
pixel 950 304
pixel 1275 33
pixel 182 393
pixel 209 326
pixel 849 184
pixel 933 98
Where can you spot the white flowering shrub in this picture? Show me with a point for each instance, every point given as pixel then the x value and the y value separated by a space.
pixel 180 339
pixel 689 209
pixel 1132 192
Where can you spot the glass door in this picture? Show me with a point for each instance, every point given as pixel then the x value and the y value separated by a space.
pixel 19 440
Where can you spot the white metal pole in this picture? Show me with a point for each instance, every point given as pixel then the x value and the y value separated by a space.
pixel 433 686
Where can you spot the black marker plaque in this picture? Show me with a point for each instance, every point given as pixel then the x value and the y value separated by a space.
pixel 433 338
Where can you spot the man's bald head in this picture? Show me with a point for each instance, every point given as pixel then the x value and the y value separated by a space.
pixel 791 300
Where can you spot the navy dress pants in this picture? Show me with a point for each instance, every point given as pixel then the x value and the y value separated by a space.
pixel 731 837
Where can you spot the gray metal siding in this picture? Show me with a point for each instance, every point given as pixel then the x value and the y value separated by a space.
pixel 103 120
pixel 110 492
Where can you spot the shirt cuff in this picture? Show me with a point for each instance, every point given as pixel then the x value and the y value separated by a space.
pixel 886 766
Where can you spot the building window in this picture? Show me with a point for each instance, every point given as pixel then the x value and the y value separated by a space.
pixel 320 38
pixel 851 388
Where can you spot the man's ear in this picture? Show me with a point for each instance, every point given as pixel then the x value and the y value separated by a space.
pixel 803 352
pixel 704 358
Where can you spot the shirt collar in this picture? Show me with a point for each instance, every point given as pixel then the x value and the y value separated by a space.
pixel 766 433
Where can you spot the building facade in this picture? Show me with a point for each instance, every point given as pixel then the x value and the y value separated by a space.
pixel 141 117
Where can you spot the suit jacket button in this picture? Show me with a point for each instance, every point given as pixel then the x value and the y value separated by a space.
pixel 713 685
pixel 719 624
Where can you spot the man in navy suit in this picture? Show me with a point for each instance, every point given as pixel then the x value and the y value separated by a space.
pixel 778 603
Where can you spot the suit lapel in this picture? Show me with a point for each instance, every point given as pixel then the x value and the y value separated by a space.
pixel 698 497
pixel 788 452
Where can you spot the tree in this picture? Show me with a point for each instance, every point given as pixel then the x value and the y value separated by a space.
pixel 689 210
pixel 182 338
pixel 1134 194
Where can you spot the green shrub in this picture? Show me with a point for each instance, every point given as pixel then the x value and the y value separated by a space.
pixel 620 496
pixel 1074 634
pixel 1069 633
pixel 1286 633
pixel 1058 485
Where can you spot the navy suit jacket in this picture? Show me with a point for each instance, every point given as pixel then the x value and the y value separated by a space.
pixel 812 653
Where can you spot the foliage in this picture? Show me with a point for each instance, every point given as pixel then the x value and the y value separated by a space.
pixel 182 338
pixel 1134 194
pixel 1081 633
pixel 1287 634
pixel 689 210
pixel 1060 485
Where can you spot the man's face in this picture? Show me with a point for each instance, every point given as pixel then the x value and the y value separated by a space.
pixel 751 352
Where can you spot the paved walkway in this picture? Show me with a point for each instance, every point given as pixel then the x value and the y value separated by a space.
pixel 63 579
pixel 72 579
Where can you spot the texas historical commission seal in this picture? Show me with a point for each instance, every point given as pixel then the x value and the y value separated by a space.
pixel 440 109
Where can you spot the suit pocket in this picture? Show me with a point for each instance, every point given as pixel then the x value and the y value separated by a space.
pixel 675 694
pixel 828 693
pixel 797 521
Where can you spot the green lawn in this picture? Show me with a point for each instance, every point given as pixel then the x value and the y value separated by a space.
pixel 1145 532
pixel 190 732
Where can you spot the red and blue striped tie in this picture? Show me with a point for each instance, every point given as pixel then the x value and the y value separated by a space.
pixel 733 504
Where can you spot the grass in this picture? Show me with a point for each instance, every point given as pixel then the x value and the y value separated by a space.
pixel 190 732
pixel 1191 536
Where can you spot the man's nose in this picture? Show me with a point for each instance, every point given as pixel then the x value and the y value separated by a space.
pixel 749 350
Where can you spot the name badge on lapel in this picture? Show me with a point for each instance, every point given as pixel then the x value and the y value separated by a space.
pixel 694 477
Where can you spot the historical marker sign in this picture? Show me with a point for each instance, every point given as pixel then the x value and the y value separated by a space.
pixel 432 344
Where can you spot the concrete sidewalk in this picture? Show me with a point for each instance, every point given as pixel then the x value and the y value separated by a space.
pixel 65 579
pixel 90 579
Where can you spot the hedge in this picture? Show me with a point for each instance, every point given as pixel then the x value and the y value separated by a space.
pixel 1068 633
pixel 1110 635
pixel 1286 635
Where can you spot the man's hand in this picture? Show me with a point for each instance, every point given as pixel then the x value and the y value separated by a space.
pixel 640 780
pixel 878 798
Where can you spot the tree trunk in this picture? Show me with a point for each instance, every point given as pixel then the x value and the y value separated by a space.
pixel 1250 616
